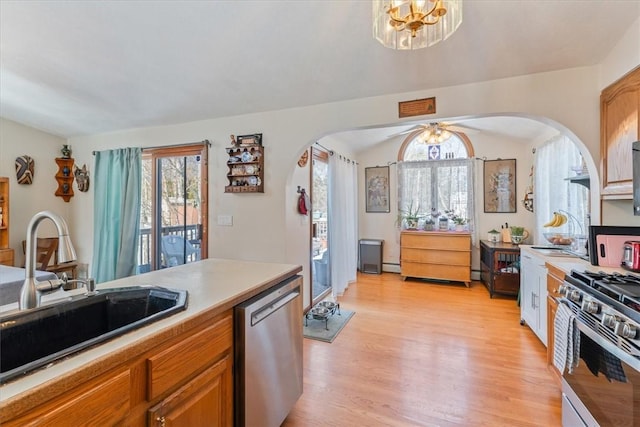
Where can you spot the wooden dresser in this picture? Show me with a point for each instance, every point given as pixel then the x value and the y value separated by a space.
pixel 436 255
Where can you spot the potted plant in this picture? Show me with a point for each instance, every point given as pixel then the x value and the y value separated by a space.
pixel 458 220
pixel 493 235
pixel 409 217
pixel 430 220
pixel 518 234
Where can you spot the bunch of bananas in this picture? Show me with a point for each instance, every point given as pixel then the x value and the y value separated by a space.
pixel 558 220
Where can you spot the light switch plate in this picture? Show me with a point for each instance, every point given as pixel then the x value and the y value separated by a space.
pixel 226 220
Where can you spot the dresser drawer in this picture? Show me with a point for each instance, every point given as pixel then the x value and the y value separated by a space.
pixel 433 240
pixel 435 271
pixel 437 256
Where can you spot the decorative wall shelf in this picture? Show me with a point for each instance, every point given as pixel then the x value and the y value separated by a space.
pixel 64 177
pixel 580 179
pixel 246 169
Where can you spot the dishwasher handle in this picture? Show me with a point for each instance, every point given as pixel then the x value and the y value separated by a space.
pixel 263 312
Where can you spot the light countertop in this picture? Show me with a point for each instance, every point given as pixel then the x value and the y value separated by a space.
pixel 566 262
pixel 212 284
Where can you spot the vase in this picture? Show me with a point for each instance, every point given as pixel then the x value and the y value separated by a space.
pixel 459 227
pixel 429 226
pixel 443 224
pixel 412 223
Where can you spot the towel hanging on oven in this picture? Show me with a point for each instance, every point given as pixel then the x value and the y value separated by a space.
pixel 566 348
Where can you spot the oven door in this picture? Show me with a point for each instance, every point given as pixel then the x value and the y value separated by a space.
pixel 613 401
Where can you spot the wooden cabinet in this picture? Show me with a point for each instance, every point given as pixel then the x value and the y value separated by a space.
pixel 619 128
pixel 533 294
pixel 186 379
pixel 436 255
pixel 555 277
pixel 500 267
pixel 6 253
pixel 64 178
pixel 246 169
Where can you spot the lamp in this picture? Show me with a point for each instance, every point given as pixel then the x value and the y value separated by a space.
pixel 414 24
pixel 434 134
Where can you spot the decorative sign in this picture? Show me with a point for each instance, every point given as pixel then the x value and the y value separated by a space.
pixel 418 107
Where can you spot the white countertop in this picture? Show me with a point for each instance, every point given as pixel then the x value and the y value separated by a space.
pixel 567 262
pixel 211 283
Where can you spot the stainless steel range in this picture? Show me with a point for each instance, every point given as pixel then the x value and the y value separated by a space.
pixel 604 388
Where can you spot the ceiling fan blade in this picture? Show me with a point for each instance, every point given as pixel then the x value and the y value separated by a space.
pixel 405 132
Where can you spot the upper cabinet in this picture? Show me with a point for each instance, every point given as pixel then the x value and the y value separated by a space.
pixel 619 128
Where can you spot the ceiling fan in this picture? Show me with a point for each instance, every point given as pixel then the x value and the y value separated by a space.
pixel 435 129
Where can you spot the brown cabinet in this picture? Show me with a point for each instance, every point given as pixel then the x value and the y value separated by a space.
pixel 619 128
pixel 246 169
pixel 64 178
pixel 185 379
pixel 500 267
pixel 555 277
pixel 436 255
pixel 6 253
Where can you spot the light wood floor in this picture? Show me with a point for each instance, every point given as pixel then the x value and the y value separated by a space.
pixel 422 354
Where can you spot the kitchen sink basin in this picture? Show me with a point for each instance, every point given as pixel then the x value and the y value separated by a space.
pixel 34 338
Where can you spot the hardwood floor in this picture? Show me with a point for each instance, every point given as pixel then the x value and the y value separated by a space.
pixel 424 354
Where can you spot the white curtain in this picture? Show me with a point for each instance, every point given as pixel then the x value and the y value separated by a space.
pixel 343 222
pixel 440 185
pixel 552 191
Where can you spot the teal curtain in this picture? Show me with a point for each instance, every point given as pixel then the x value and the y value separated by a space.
pixel 116 227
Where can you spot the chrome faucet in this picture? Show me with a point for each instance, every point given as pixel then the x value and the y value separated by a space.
pixel 32 290
pixel 89 283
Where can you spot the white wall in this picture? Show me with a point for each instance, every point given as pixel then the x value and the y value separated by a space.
pixel 26 200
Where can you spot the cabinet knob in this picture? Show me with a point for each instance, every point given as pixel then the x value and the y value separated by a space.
pixel 161 421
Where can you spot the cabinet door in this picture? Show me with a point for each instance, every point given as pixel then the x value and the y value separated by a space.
pixel 619 127
pixel 528 292
pixel 207 400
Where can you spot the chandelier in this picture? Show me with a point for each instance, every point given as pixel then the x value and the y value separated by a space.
pixel 414 24
pixel 434 134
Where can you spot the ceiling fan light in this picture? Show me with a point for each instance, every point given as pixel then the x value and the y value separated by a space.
pixel 413 24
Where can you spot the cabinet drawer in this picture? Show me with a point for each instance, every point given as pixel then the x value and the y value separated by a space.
pixel 102 402
pixel 435 271
pixel 449 241
pixel 436 256
pixel 178 362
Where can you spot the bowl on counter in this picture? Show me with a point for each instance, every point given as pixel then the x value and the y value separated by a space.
pixel 559 239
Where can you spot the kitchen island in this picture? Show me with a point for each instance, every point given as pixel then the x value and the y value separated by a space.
pixel 153 372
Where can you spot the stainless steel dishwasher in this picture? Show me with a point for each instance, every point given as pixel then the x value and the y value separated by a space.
pixel 268 355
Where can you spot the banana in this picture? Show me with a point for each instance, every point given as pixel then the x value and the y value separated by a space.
pixel 558 220
pixel 553 221
pixel 563 219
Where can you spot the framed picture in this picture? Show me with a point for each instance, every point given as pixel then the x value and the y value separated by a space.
pixel 499 182
pixel 253 139
pixel 377 187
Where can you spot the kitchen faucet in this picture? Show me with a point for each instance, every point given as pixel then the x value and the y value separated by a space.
pixel 89 283
pixel 32 289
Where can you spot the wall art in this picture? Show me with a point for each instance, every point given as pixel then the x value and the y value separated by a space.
pixel 377 185
pixel 500 186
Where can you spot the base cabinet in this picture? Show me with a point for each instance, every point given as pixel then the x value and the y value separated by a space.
pixel 185 380
pixel 555 277
pixel 436 255
pixel 533 294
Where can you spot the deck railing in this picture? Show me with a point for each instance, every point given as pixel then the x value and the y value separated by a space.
pixel 192 233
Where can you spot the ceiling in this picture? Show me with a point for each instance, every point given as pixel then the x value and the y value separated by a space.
pixel 73 68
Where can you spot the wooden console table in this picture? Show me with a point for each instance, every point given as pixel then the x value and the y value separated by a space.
pixel 500 267
pixel 442 255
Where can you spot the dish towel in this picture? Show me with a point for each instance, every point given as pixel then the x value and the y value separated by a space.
pixel 566 342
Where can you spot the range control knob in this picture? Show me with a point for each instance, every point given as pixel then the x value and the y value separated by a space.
pixel 590 306
pixel 626 330
pixel 563 289
pixel 608 320
pixel 575 296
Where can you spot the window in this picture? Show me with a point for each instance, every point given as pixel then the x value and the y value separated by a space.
pixel 437 177
pixel 554 161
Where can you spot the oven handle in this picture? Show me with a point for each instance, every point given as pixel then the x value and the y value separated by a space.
pixel 608 346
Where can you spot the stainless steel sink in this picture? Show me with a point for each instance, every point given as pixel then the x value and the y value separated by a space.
pixel 34 338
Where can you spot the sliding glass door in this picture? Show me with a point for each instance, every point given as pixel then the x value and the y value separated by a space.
pixel 173 218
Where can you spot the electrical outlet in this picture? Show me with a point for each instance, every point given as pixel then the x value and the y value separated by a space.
pixel 226 220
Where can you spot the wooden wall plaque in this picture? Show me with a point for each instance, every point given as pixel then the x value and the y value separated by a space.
pixel 417 107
